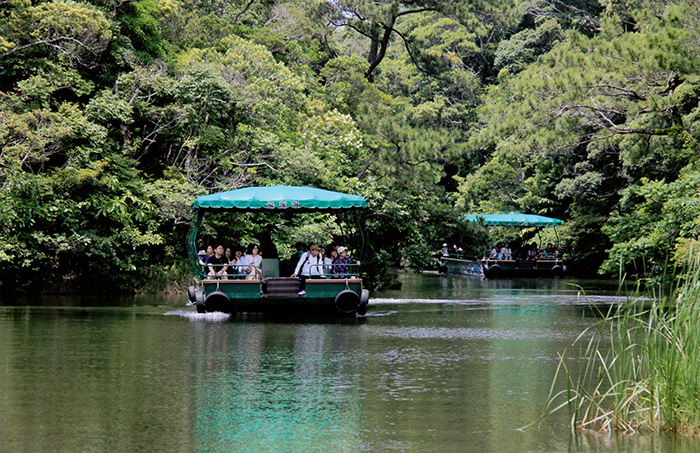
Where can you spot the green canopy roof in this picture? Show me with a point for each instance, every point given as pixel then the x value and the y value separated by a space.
pixel 279 198
pixel 514 219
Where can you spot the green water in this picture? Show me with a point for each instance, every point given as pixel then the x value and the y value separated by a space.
pixel 445 364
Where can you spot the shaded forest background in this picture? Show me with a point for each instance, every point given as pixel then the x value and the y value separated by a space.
pixel 115 115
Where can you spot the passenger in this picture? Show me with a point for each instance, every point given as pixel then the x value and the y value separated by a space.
pixel 200 257
pixel 310 265
pixel 532 252
pixel 340 264
pixel 550 251
pixel 203 260
pixel 506 252
pixel 499 251
pixel 328 259
pixel 203 257
pixel 494 253
pixel 232 261
pixel 218 264
pixel 252 262
pixel 300 250
pixel 238 254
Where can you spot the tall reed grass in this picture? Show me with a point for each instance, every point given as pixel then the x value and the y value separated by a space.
pixel 641 366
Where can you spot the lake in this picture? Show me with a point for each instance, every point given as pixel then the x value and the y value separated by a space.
pixel 445 364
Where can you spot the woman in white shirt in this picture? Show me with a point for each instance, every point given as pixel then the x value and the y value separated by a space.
pixel 252 262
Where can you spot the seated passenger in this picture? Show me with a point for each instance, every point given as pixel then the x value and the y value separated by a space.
pixel 218 264
pixel 238 254
pixel 310 265
pixel 340 264
pixel 550 251
pixel 232 261
pixel 506 252
pixel 494 253
pixel 532 253
pixel 332 253
pixel 252 262
pixel 204 258
pixel 499 251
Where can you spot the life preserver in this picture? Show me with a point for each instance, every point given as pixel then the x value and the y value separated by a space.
pixel 557 271
pixel 347 301
pixel 217 301
pixel 492 271
pixel 199 300
pixel 364 300
pixel 191 293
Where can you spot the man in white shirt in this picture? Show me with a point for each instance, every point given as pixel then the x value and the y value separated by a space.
pixel 310 264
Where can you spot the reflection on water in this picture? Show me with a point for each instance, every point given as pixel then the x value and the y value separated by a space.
pixel 445 364
pixel 270 387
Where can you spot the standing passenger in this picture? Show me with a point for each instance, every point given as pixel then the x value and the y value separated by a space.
pixel 310 264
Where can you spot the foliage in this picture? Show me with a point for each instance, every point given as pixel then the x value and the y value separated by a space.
pixel 586 120
pixel 641 369
pixel 661 222
pixel 114 116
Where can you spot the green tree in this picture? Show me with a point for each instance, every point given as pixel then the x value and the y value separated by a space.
pixel 592 116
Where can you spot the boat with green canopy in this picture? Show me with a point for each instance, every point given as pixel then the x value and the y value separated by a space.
pixel 514 219
pixel 529 263
pixel 230 293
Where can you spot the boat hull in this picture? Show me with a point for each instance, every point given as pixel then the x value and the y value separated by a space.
pixel 280 295
pixel 460 266
pixel 553 268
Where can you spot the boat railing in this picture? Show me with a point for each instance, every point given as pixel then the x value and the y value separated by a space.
pixel 550 257
pixel 237 272
pixel 459 256
pixel 233 271
pixel 332 271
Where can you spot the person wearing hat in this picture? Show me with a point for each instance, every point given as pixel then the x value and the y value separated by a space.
pixel 310 265
pixel 340 264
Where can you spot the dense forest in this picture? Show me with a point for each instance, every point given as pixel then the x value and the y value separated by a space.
pixel 116 114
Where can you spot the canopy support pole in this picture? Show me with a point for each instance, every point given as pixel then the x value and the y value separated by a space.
pixel 191 246
pixel 363 247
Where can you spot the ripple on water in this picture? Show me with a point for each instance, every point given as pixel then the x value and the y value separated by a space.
pixel 517 300
pixel 390 301
pixel 466 333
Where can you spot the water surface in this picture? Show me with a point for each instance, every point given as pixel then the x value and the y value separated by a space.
pixel 444 364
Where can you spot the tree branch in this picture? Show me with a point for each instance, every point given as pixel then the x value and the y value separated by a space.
pixel 242 12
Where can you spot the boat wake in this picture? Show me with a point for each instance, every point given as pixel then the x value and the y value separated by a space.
pixel 390 301
pixel 194 316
